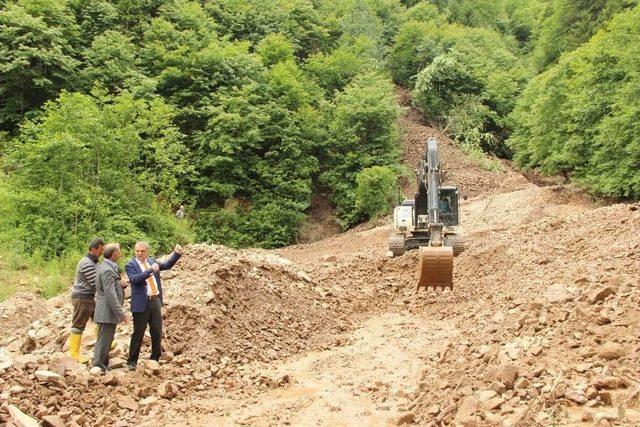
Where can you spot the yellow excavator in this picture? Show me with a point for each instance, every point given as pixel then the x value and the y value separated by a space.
pixel 428 223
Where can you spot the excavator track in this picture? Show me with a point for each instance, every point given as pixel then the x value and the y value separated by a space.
pixel 436 267
pixel 456 242
pixel 396 244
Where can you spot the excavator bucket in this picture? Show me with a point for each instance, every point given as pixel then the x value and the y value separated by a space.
pixel 436 267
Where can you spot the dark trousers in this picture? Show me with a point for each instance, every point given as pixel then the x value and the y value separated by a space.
pixel 103 345
pixel 82 311
pixel 153 317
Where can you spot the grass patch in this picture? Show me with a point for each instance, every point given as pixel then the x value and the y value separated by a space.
pixel 475 153
pixel 19 273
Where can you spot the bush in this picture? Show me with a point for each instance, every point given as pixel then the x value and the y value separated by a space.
pixel 468 123
pixel 268 225
pixel 377 191
pixel 273 224
pixel 363 133
pixel 221 226
pixel 442 85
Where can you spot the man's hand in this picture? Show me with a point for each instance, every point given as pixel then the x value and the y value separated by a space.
pixel 178 249
pixel 124 319
pixel 155 267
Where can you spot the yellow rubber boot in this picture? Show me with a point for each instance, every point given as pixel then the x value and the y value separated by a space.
pixel 74 347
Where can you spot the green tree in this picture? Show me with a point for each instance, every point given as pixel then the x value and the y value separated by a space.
pixel 362 133
pixel 415 46
pixel 94 17
pixel 440 86
pixel 424 12
pixel 111 62
pixel 134 14
pixel 579 117
pixel 36 61
pixel 476 13
pixel 335 70
pixel 377 191
pixel 252 20
pixel 92 166
pixel 572 23
pixel 275 48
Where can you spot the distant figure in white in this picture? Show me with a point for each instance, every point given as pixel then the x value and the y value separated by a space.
pixel 180 212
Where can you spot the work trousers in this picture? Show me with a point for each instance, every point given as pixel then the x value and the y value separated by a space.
pixel 82 311
pixel 103 345
pixel 153 317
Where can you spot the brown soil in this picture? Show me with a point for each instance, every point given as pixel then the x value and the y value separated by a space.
pixel 321 222
pixel 18 311
pixel 541 327
pixel 459 170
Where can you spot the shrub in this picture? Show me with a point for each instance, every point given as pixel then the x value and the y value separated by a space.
pixel 377 191
pixel 441 85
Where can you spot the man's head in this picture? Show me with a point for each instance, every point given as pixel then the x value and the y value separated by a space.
pixel 142 251
pixel 96 246
pixel 112 252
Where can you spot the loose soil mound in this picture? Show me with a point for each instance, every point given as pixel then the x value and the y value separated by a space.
pixel 18 311
pixel 246 305
pixel 225 308
pixel 543 319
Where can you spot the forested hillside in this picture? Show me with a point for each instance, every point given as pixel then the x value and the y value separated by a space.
pixel 114 113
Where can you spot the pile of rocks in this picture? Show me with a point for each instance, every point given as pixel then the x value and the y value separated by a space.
pixel 224 308
pixel 550 339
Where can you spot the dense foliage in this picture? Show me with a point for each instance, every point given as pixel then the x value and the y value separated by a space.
pixel 84 165
pixel 571 23
pixel 115 112
pixel 552 82
pixel 582 116
pixel 376 192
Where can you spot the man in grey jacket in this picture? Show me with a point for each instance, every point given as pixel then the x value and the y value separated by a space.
pixel 109 300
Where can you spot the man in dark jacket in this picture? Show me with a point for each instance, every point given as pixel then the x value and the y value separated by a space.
pixel 82 296
pixel 109 300
pixel 146 299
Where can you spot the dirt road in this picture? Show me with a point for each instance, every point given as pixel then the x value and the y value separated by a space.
pixel 366 381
